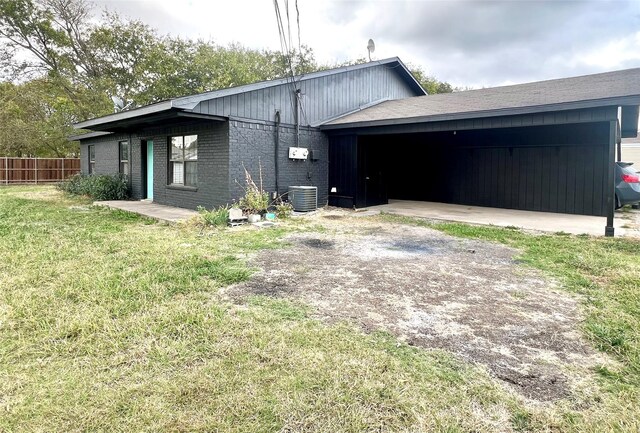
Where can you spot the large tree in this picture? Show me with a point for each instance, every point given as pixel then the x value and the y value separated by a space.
pixel 35 119
pixel 59 69
pixel 430 83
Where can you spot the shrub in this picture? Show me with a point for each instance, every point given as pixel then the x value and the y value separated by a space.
pixel 283 210
pixel 216 217
pixel 98 187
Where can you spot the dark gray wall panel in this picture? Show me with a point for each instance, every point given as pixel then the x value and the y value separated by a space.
pixel 108 158
pixel 322 98
pixel 343 156
pixel 252 145
pixel 546 168
pixel 135 164
pixel 213 165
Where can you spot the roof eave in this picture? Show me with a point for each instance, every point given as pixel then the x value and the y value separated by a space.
pixel 509 111
pixel 124 115
pixel 78 137
pixel 415 83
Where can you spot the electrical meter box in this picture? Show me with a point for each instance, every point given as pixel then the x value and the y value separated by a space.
pixel 298 153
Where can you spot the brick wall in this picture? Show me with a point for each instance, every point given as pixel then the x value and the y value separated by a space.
pixel 213 165
pixel 253 145
pixel 224 148
pixel 135 161
pixel 108 158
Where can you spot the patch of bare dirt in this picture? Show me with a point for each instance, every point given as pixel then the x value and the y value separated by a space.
pixel 434 291
pixel 631 220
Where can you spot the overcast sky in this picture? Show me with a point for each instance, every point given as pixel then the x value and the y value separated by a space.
pixel 467 43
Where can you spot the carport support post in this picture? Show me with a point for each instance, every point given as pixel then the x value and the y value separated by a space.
pixel 613 126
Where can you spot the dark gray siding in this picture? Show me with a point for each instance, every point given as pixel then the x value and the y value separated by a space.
pixel 213 165
pixel 108 158
pixel 553 162
pixel 343 152
pixel 135 163
pixel 252 146
pixel 551 169
pixel 322 98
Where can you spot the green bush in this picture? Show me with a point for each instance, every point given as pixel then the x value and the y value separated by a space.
pixel 283 210
pixel 216 217
pixel 254 201
pixel 98 187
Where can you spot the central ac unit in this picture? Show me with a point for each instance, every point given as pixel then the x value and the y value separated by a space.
pixel 303 198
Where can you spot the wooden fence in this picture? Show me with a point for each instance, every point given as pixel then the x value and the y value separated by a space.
pixel 37 170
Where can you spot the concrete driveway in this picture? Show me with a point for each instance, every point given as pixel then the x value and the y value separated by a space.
pixel 625 223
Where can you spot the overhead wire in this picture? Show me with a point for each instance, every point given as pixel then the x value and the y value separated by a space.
pixel 285 49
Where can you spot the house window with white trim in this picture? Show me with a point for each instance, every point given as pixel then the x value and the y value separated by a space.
pixel 124 156
pixel 92 159
pixel 183 160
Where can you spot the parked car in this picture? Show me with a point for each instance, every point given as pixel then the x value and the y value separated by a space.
pixel 627 184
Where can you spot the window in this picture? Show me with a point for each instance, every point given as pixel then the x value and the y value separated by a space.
pixel 124 157
pixel 92 159
pixel 183 160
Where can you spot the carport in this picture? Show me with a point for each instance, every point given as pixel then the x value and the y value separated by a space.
pixel 547 147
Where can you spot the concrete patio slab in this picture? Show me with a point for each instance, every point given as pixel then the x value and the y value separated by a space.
pixel 538 221
pixel 149 209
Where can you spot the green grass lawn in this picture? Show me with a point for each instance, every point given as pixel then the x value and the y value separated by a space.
pixel 112 322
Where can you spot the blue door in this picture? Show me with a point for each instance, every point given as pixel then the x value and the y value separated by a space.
pixel 150 170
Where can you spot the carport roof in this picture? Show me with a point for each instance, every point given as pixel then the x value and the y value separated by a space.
pixel 597 90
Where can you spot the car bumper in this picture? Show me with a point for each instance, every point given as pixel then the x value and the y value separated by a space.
pixel 628 193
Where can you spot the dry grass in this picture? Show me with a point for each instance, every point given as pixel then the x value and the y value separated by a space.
pixel 110 322
pixel 604 273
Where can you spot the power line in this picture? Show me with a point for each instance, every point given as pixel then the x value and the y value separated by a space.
pixel 298 21
pixel 285 49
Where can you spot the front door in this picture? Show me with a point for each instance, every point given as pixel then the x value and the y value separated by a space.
pixel 372 188
pixel 149 170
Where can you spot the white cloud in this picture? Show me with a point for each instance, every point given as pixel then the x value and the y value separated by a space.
pixel 613 54
pixel 468 43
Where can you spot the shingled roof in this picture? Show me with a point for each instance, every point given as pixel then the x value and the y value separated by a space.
pixel 605 89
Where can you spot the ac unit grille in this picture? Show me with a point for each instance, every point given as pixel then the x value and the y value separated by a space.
pixel 303 198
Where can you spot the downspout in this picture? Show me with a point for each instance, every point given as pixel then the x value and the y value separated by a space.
pixel 277 149
pixel 297 117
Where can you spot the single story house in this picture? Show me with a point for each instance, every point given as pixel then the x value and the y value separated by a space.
pixel 366 133
pixel 631 151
